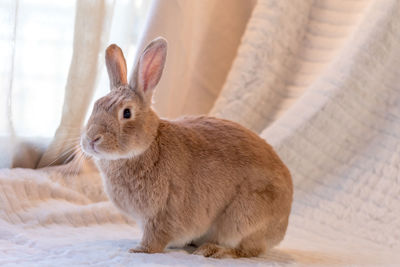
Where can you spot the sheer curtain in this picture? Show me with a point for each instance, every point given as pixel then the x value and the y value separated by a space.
pixel 52 65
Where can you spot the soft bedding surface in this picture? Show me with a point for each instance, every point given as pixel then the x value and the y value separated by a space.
pixel 50 218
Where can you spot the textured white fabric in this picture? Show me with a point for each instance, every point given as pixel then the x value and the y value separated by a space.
pixel 327 87
pixel 286 47
pixel 320 81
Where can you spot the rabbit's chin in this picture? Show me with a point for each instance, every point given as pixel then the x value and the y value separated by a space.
pixel 112 155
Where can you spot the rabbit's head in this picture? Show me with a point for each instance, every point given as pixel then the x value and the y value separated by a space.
pixel 122 123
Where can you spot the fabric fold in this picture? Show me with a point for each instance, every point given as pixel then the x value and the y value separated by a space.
pixel 203 37
pixel 340 139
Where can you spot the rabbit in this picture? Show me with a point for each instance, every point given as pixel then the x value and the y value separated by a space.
pixel 194 180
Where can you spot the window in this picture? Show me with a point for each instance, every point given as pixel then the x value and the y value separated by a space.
pixel 36 43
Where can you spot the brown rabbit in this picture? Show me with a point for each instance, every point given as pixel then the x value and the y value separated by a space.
pixel 199 180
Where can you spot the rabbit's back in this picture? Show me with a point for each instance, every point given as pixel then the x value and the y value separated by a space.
pixel 212 163
pixel 223 141
pixel 217 158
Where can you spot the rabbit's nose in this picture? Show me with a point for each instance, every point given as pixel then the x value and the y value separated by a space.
pixel 96 140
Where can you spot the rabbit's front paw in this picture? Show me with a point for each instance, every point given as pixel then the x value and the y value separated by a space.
pixel 145 249
pixel 140 249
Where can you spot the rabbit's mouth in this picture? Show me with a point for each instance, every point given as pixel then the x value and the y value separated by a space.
pixel 89 146
pixel 93 147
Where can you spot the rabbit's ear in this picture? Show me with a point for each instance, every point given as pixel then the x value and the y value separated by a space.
pixel 116 66
pixel 150 67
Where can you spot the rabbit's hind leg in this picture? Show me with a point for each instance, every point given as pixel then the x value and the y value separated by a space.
pixel 250 246
pixel 209 250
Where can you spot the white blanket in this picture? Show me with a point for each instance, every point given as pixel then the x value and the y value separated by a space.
pixel 320 80
pixel 48 218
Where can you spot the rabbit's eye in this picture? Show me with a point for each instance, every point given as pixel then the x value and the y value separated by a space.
pixel 127 113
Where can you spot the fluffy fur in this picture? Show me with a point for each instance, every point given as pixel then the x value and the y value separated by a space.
pixel 200 180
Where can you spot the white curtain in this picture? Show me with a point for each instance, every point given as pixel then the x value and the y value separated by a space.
pixel 203 38
pixel 35 58
pixel 52 54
